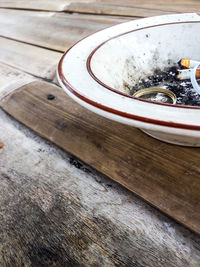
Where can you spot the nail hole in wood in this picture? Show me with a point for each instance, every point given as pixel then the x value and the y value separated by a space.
pixel 51 97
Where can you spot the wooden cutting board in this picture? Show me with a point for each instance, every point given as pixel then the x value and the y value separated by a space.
pixel 166 176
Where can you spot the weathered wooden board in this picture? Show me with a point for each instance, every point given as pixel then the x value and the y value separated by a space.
pixel 166 176
pixel 113 9
pixel 11 79
pixel 135 7
pixel 53 214
pixel 49 5
pixel 34 60
pixel 51 30
pixel 167 5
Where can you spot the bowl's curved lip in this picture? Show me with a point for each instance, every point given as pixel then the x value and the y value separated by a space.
pixel 149 120
pixel 90 57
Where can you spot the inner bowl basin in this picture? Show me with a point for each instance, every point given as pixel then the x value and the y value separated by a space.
pixel 121 62
pixel 99 72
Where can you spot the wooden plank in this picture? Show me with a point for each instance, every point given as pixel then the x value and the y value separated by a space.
pixel 113 9
pixel 53 214
pixel 135 8
pixel 49 5
pixel 34 60
pixel 37 60
pixel 11 79
pixel 168 5
pixel 167 176
pixel 50 30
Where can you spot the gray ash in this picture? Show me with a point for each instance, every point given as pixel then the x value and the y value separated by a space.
pixel 183 90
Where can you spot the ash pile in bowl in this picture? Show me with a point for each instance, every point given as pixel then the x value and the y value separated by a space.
pixel 167 79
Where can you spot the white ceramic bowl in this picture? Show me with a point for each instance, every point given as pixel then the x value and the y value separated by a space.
pixel 93 72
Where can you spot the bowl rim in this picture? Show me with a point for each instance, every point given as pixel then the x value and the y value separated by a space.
pixel 69 88
pixel 90 71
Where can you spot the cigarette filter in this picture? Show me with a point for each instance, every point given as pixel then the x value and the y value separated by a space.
pixel 185 74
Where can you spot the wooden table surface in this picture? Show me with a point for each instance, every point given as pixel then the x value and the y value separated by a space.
pixel 56 210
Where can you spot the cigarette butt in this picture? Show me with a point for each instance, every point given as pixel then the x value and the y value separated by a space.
pixel 187 63
pixel 185 74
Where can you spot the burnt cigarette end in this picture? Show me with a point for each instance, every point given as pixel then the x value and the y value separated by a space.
pixel 184 63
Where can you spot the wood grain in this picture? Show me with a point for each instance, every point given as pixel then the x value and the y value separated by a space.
pixel 12 79
pixel 49 5
pixel 113 9
pixel 54 31
pixel 136 8
pixel 37 61
pixel 166 176
pixel 55 214
pixel 168 5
